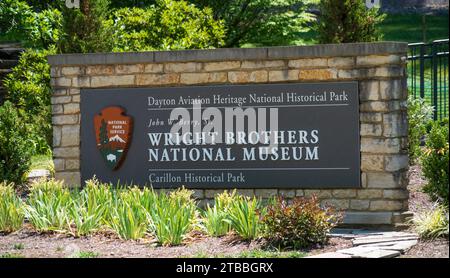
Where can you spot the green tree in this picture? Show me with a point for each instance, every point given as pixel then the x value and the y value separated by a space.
pixel 84 31
pixel 168 25
pixel 346 21
pixel 269 22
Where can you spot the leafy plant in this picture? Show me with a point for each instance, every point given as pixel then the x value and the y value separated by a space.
pixel 214 218
pixel 266 22
pixel 28 89
pixel 83 29
pixel 172 216
pixel 435 161
pixel 432 224
pixel 48 206
pixel 420 115
pixel 129 219
pixel 300 223
pixel 11 209
pixel 244 217
pixel 15 150
pixel 167 25
pixel 346 21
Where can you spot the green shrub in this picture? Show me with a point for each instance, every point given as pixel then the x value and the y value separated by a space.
pixel 432 224
pixel 11 209
pixel 173 216
pixel 244 217
pixel 214 218
pixel 299 224
pixel 20 22
pixel 435 163
pixel 419 116
pixel 83 29
pixel 168 25
pixel 48 206
pixel 346 21
pixel 28 88
pixel 15 148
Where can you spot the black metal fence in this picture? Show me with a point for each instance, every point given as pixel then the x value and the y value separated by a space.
pixel 428 74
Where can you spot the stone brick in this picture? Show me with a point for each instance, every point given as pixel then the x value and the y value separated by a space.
pixel 60 99
pixel 72 108
pixel 391 89
pixel 321 194
pixel 247 77
pixel 308 63
pixel 63 82
pixel 389 72
pixel 66 152
pixel 154 68
pixel 70 135
pixel 395 124
pixel 344 193
pixel 65 119
pixel 355 73
pixel 72 164
pixel 369 90
pixel 371 129
pixel 370 117
pixel 336 203
pixel 198 193
pixel 364 180
pixel 299 193
pixel 283 75
pixel 384 205
pixel 370 193
pixel 60 92
pixel 379 145
pixel 374 106
pixel 368 218
pixel 183 67
pixel 127 69
pixel 81 82
pixel 246 192
pixel 397 194
pixel 222 66
pixel 72 179
pixel 58 164
pixel 57 109
pixel 76 98
pixel 70 71
pixel 211 193
pixel 199 78
pixel 262 64
pixel 359 204
pixel 396 162
pixel 266 193
pixel 375 60
pixel 372 162
pixel 383 180
pixel 318 74
pixel 57 136
pixel 100 70
pixel 156 79
pixel 55 72
pixel 113 80
pixel 74 91
pixel 341 62
pixel 287 193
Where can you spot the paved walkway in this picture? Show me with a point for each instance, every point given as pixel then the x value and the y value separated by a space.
pixel 372 244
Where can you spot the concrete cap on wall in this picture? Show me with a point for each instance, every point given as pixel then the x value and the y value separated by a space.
pixel 227 54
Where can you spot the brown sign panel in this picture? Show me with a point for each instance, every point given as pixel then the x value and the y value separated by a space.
pixel 113 135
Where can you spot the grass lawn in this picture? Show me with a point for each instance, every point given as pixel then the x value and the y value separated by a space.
pixel 404 28
pixel 42 162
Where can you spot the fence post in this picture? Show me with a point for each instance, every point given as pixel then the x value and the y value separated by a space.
pixel 435 80
pixel 422 70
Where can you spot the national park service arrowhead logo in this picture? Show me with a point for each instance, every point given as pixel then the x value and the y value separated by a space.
pixel 113 135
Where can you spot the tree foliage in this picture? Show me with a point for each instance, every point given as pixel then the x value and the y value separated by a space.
pixel 168 25
pixel 346 21
pixel 264 21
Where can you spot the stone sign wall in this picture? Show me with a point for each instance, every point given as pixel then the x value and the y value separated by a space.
pixel 378 68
